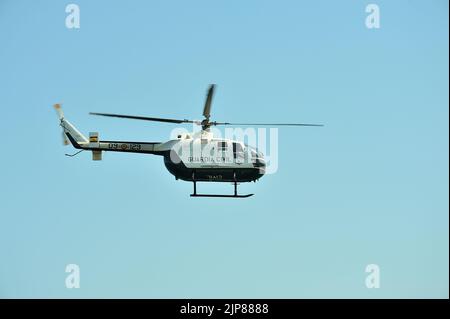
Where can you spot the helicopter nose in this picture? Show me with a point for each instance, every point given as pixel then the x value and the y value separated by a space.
pixel 260 163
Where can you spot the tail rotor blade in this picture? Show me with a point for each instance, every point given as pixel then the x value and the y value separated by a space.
pixel 59 110
pixel 60 114
pixel 65 140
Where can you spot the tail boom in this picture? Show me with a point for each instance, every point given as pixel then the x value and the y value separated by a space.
pixel 79 141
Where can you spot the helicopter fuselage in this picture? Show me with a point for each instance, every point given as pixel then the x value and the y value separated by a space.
pixel 213 160
pixel 197 157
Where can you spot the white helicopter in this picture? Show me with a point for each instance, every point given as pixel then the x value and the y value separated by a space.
pixel 194 157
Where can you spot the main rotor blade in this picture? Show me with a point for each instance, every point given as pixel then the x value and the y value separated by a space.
pixel 265 124
pixel 207 107
pixel 145 118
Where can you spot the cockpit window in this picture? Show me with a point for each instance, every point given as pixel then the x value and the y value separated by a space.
pixel 237 148
pixel 238 151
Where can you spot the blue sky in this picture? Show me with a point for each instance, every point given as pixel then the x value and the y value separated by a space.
pixel 369 187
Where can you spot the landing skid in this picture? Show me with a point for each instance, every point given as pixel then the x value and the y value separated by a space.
pixel 235 195
pixel 221 195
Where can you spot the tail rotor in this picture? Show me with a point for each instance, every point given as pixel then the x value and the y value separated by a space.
pixel 60 114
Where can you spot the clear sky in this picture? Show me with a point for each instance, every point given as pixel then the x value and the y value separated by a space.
pixel 371 187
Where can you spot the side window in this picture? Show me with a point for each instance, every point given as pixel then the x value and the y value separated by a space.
pixel 222 146
pixel 237 150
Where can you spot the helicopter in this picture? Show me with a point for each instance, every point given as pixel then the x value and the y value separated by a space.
pixel 193 157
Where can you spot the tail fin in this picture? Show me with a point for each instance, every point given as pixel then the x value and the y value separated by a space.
pixel 69 131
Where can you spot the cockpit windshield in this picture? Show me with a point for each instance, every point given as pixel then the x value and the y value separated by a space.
pixel 254 151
